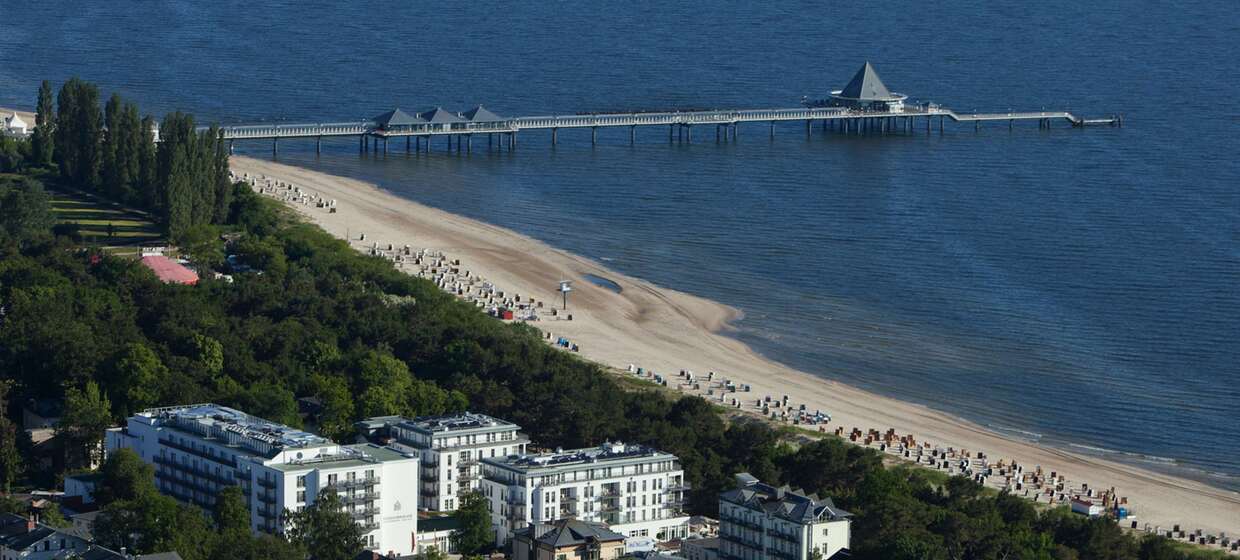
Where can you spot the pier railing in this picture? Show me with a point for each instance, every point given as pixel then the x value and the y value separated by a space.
pixel 673 118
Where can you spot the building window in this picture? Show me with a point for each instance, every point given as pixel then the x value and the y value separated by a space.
pixel 301 481
pixel 331 479
pixel 370 474
pixel 301 495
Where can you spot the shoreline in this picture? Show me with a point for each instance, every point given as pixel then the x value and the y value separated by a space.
pixel 666 331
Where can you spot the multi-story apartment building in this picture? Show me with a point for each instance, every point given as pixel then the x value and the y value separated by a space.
pixel 198 450
pixel 450 448
pixel 758 521
pixel 635 490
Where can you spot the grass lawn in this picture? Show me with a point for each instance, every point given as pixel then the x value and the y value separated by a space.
pixel 105 223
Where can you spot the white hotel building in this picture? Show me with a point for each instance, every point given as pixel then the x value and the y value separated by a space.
pixel 759 522
pixel 198 450
pixel 450 448
pixel 634 489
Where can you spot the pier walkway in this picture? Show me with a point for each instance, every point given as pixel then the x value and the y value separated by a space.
pixel 680 123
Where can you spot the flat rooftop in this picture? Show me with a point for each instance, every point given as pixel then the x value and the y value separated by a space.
pixel 608 453
pixel 217 421
pixel 446 424
pixel 347 456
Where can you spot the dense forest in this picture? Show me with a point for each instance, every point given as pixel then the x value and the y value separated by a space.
pixel 316 318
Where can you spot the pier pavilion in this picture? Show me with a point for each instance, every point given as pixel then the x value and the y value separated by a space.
pixel 867 92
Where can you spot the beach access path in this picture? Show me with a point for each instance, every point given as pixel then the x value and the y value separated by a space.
pixel 666 331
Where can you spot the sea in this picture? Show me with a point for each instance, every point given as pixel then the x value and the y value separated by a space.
pixel 1079 288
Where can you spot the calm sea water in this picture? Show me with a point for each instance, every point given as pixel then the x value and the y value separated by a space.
pixel 1078 288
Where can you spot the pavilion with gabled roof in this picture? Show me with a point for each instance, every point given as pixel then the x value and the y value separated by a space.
pixel 866 91
pixel 396 119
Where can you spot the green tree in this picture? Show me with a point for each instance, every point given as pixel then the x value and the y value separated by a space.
pixel 431 553
pixel 384 384
pixel 87 414
pixel 78 132
pixel 137 379
pixel 325 529
pixel 110 150
pixel 53 517
pixel 336 418
pixel 25 209
pixel 126 477
pixel 10 456
pixel 474 535
pixel 148 195
pixel 44 126
pixel 231 516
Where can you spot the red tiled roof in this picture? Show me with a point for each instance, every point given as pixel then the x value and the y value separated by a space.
pixel 170 271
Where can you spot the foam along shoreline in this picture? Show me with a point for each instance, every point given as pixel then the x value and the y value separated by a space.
pixel 670 332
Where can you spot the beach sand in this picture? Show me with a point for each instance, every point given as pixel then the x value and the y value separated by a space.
pixel 666 331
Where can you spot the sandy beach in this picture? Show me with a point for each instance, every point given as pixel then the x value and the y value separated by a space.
pixel 668 331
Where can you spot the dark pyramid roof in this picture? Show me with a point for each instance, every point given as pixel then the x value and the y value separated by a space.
pixel 782 502
pixel 440 115
pixel 396 117
pixel 479 114
pixel 866 86
pixel 569 532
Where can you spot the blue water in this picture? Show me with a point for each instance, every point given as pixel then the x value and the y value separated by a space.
pixel 1078 288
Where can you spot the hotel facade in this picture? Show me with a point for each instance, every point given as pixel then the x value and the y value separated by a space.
pixel 633 489
pixel 759 521
pixel 198 450
pixel 450 448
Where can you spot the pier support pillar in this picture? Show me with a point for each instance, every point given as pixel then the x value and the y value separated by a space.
pixel 594 135
pixel 555 133
pixel 940 125
pixel 632 134
pixel 809 123
pixel 408 141
pixel 490 139
pixel 772 129
pixel 275 142
pixel 385 141
pixel 671 133
pixel 689 133
pixel 977 125
pixel 718 131
pixel 230 147
pixel 736 129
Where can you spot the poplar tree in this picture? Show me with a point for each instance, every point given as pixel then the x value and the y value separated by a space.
pixel 45 123
pixel 77 133
pixel 110 152
pixel 148 167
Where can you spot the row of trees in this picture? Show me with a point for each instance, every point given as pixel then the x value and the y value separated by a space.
pixel 111 150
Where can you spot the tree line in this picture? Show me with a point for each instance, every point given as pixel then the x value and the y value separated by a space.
pixel 322 320
pixel 182 179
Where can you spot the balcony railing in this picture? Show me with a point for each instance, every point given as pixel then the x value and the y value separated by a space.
pixel 355 483
pixel 198 452
pixel 266 482
pixel 790 537
pixel 190 470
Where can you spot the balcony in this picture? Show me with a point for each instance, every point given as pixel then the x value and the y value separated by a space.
pixel 267 497
pixel 366 511
pixel 189 470
pixel 198 453
pixel 790 537
pixel 266 482
pixel 355 483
